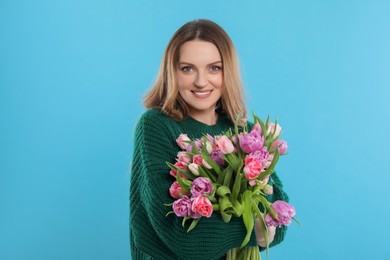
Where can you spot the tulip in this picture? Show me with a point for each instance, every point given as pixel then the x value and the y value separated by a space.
pixel 284 211
pixel 194 168
pixel 225 145
pixel 183 141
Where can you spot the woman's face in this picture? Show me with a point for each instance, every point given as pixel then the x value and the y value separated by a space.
pixel 200 77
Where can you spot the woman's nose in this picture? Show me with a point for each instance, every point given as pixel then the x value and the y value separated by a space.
pixel 201 80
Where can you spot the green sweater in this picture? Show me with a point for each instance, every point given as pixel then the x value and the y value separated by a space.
pixel 153 235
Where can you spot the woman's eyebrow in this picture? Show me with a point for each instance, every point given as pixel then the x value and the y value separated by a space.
pixel 189 63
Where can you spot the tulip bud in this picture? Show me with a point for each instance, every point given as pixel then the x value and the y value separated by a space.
pixel 252 182
pixel 183 141
pixel 225 145
pixel 268 189
pixel 280 145
pixel 209 147
pixel 194 168
pixel 205 164
pixel 274 128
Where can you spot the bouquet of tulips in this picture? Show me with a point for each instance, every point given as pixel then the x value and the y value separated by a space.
pixel 229 174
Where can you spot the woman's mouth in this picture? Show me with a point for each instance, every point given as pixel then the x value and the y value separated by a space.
pixel 201 94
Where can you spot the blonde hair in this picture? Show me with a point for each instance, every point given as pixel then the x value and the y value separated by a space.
pixel 164 94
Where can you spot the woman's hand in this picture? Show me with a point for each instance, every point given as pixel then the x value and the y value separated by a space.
pixel 260 235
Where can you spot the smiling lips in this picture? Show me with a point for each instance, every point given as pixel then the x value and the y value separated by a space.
pixel 202 94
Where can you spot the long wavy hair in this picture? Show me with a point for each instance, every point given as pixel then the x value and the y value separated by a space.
pixel 164 94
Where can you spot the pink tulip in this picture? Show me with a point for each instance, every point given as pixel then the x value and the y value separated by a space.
pixel 202 206
pixel 183 141
pixel 183 157
pixel 176 191
pixel 268 162
pixel 252 183
pixel 225 145
pixel 256 127
pixel 271 129
pixel 197 159
pixel 179 165
pixel 252 167
pixel 280 145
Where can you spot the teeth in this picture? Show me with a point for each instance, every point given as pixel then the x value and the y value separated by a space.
pixel 202 93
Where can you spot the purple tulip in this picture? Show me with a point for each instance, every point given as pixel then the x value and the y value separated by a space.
pixel 251 142
pixel 198 145
pixel 262 155
pixel 182 207
pixel 201 186
pixel 256 127
pixel 280 145
pixel 285 212
pixel 216 156
pixel 211 139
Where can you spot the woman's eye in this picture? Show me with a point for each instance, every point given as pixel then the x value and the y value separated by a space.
pixel 187 69
pixel 215 68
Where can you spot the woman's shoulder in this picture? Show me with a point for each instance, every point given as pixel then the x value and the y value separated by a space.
pixel 152 114
pixel 156 121
pixel 155 117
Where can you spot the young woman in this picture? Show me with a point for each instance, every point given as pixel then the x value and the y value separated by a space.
pixel 198 90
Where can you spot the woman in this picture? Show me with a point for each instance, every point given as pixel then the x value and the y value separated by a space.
pixel 198 90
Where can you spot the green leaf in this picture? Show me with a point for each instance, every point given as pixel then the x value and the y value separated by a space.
pixel 247 216
pixel 236 133
pixel 221 177
pixel 236 186
pixel 237 209
pixel 223 191
pixel 262 222
pixel 233 161
pixel 236 127
pixel 266 124
pixel 276 123
pixel 212 163
pixel 193 224
pixel 204 173
pixel 170 212
pixel 188 174
pixel 194 148
pixel 228 176
pixel 184 220
pixel 225 203
pixel 258 120
pixel 170 165
pixel 182 183
pixel 226 216
pixel 266 204
pixel 224 206
pixel 296 220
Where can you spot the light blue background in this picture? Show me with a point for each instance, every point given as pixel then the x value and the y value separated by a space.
pixel 72 75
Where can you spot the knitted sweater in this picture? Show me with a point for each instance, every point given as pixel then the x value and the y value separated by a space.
pixel 153 235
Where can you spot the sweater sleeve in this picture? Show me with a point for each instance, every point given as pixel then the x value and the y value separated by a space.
pixel 212 238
